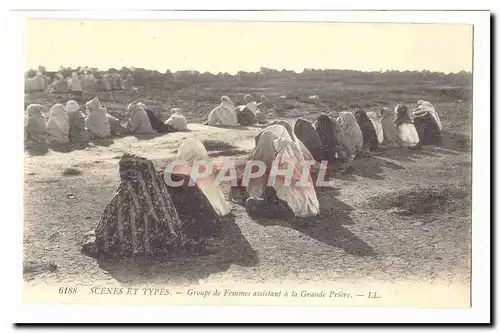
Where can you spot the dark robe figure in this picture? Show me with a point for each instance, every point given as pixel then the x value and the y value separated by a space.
pixel 370 140
pixel 306 133
pixel 268 206
pixel 194 209
pixel 158 125
pixel 145 217
pixel 331 144
pixel 245 116
pixel 428 130
pixel 76 119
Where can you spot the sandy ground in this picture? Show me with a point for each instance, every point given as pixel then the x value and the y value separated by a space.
pixel 361 233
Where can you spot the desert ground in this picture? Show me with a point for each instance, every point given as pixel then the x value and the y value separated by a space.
pixel 400 215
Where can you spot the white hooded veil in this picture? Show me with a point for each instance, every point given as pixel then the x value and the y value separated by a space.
pixel 138 121
pixel 57 126
pixel 35 122
pixel 97 119
pixel 224 114
pixel 276 143
pixel 76 85
pixel 177 120
pixel 251 104
pixel 305 152
pixel 389 125
pixel 193 150
pixel 424 107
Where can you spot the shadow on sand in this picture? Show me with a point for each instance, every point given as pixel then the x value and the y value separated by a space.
pixel 61 148
pixel 185 268
pixel 452 144
pixel 145 137
pixel 367 167
pixel 328 226
pixel 404 154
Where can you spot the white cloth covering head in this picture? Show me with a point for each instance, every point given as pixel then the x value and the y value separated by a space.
pixel 139 122
pixel 75 82
pixel 175 111
pixel 389 125
pixel 35 122
pixel 35 110
pixel 57 126
pixel 193 150
pixel 305 152
pixel 72 106
pixel 97 119
pixel 224 114
pixel 276 144
pixel 424 107
pixel 248 98
pixel 225 100
pixel 177 120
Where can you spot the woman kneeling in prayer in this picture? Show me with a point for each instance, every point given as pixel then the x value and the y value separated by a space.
pixel 428 124
pixel 147 216
pixel 284 196
pixel 138 122
pixel 57 126
pixel 408 135
pixel 193 154
pixel 35 125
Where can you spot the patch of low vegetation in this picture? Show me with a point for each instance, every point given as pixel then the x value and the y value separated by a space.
pixel 33 267
pixel 418 201
pixel 229 152
pixel 72 172
pixel 217 145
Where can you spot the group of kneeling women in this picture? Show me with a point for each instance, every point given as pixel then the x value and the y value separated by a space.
pixel 67 123
pixel 148 217
pixel 352 134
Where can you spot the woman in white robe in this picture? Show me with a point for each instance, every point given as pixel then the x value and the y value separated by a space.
pixel 251 103
pixel 35 124
pixel 391 136
pixel 36 83
pixel 76 85
pixel 224 114
pixel 177 121
pixel 280 199
pixel 138 122
pixel 193 150
pixel 408 135
pixel 303 149
pixel 97 119
pixel 57 126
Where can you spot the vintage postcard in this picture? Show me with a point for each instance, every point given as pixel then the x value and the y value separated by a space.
pixel 231 159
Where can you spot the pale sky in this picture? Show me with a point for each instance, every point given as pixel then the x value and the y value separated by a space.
pixel 247 46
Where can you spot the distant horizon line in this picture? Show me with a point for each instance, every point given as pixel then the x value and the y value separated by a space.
pixel 257 71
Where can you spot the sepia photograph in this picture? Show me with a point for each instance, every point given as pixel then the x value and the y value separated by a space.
pixel 238 162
